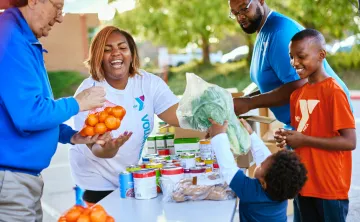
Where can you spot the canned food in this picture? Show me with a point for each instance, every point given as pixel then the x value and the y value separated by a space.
pixel 126 182
pixel 133 168
pixel 200 164
pixel 157 160
pixel 188 160
pixel 209 162
pixel 205 149
pixel 208 169
pixel 146 159
pixel 151 144
pixel 145 184
pixel 197 171
pixel 160 142
pixel 153 165
pixel 156 167
pixel 164 152
pixel 169 138
pixel 171 175
pixel 187 173
pixel 197 159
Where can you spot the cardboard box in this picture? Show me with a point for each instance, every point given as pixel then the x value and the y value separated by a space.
pixel 245 161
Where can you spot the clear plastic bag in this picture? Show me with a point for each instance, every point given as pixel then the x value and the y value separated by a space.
pixel 210 187
pixel 201 101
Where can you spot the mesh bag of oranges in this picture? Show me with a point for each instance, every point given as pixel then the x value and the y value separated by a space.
pixel 79 213
pixel 102 120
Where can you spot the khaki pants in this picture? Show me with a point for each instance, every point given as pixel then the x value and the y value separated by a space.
pixel 20 195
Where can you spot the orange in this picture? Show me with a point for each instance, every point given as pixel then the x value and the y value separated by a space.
pixel 62 219
pixel 110 219
pixel 118 111
pixel 92 120
pixel 97 207
pixel 102 116
pixel 84 218
pixel 82 132
pixel 98 216
pixel 72 215
pixel 110 122
pixel 89 131
pixel 100 128
pixel 108 109
pixel 118 122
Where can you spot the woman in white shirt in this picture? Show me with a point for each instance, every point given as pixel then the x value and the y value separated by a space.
pixel 114 64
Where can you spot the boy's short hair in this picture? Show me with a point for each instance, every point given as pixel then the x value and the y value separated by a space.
pixel 286 176
pixel 309 33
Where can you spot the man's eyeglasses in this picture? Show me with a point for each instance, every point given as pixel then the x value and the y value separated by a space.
pixel 59 9
pixel 234 14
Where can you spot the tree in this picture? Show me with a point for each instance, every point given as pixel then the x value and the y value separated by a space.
pixel 177 23
pixel 333 18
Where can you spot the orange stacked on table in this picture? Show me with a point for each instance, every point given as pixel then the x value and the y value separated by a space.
pixel 95 213
pixel 101 122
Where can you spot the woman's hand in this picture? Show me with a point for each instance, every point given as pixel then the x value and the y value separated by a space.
pixel 110 148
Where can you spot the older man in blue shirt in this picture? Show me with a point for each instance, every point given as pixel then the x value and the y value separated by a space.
pixel 30 119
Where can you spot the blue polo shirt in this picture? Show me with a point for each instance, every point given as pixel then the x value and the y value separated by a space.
pixel 255 205
pixel 270 65
pixel 30 119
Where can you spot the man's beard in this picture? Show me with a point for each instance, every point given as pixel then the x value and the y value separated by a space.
pixel 253 23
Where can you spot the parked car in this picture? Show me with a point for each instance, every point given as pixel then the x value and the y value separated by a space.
pixel 166 59
pixel 346 45
pixel 236 54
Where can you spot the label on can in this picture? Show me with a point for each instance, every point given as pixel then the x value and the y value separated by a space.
pixel 133 168
pixel 145 184
pixel 169 141
pixel 188 160
pixel 160 142
pixel 126 182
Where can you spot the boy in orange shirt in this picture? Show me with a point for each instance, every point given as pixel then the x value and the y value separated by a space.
pixel 324 135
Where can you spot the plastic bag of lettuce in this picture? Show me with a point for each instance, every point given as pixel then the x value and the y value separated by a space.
pixel 201 101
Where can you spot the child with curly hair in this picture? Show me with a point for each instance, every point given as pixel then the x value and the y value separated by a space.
pixel 278 177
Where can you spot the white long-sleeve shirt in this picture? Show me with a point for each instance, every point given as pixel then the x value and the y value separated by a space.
pixel 228 168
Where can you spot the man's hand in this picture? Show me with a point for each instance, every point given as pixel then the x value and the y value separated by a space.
pixel 241 105
pixel 216 128
pixel 247 126
pixel 99 139
pixel 91 98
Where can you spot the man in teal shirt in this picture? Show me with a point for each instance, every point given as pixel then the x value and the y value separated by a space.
pixel 270 65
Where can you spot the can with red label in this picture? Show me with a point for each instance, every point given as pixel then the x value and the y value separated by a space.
pixel 145 184
pixel 126 182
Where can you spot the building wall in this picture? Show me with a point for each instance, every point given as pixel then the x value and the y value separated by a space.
pixel 67 43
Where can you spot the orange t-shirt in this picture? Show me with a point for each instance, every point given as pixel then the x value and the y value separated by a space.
pixel 320 110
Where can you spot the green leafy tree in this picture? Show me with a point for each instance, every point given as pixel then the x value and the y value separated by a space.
pixel 177 23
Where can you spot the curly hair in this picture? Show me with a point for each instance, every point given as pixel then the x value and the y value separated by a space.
pixel 286 176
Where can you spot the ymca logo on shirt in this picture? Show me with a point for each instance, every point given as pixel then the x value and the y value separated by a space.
pixel 140 103
pixel 306 108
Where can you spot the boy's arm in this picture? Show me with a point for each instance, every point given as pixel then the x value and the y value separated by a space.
pixel 221 146
pixel 245 188
pixel 258 149
pixel 346 140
